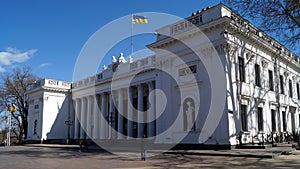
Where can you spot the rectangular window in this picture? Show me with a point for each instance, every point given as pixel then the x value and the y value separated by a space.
pixel 299 119
pixel 284 120
pixel 193 68
pixel 298 91
pixel 244 117
pixel 35 127
pixel 257 75
pixel 281 84
pixel 291 88
pixel 271 83
pixel 273 116
pixel 260 119
pixel 241 69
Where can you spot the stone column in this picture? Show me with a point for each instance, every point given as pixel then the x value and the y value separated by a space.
pixel 129 114
pixel 103 122
pixel 83 118
pixel 77 119
pixel 151 112
pixel 140 114
pixel 120 117
pixel 96 117
pixel 89 118
pixel 111 115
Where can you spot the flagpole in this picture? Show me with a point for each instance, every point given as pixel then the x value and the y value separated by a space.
pixel 132 35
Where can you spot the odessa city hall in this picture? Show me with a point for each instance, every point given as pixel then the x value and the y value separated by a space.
pixel 215 80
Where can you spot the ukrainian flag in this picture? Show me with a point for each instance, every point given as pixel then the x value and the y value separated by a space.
pixel 11 108
pixel 137 19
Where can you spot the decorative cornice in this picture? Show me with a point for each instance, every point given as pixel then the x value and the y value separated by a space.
pixel 241 27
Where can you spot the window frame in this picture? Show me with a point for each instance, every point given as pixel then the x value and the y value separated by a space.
pixel 298 91
pixel 257 75
pixel 273 120
pixel 284 125
pixel 241 67
pixel 271 80
pixel 290 88
pixel 260 119
pixel 243 114
pixel 281 81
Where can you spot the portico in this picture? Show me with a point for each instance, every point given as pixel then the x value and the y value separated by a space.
pixel 119 114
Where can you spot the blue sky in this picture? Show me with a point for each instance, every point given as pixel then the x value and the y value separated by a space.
pixel 48 35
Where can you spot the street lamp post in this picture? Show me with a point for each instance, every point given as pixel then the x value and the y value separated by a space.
pixel 9 129
pixel 10 109
pixel 69 122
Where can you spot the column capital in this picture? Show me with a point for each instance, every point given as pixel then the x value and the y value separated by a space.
pixel 83 99
pixel 121 90
pixel 77 100
pixel 140 86
pixel 89 98
pixel 96 95
pixel 129 89
pixel 150 84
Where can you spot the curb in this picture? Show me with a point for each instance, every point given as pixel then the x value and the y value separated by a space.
pixel 269 155
pixel 265 155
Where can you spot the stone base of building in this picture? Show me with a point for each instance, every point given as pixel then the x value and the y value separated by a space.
pixel 133 145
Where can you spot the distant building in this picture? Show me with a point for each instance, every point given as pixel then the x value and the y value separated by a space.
pixel 261 80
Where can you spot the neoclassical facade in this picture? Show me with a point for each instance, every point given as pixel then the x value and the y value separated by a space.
pixel 215 79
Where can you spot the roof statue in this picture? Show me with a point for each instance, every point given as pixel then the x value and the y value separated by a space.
pixel 104 67
pixel 121 58
pixel 130 59
pixel 114 60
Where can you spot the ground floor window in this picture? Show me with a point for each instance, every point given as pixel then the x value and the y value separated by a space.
pixel 284 120
pixel 273 116
pixel 244 117
pixel 35 127
pixel 260 119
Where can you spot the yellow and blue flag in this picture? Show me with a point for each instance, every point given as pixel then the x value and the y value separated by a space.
pixel 138 19
pixel 11 108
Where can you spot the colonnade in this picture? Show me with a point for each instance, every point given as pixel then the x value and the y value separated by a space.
pixel 125 113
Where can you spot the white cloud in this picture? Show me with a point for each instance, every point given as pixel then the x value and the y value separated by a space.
pixel 44 65
pixel 13 55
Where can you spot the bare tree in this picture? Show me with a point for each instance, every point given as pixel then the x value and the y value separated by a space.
pixel 13 91
pixel 279 18
pixel 2 136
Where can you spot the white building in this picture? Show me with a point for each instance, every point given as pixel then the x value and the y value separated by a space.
pixel 49 108
pixel 225 82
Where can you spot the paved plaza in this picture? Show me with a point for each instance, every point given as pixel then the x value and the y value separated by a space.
pixel 62 156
